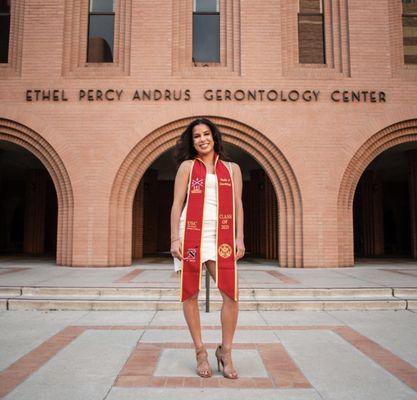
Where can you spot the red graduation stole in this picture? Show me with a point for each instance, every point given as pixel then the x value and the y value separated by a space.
pixel 226 274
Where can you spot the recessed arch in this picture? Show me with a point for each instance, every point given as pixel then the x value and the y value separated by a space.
pixel 398 133
pixel 253 142
pixel 25 137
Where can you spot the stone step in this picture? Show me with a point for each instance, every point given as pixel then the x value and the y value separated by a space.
pixel 409 293
pixel 258 293
pixel 143 298
pixel 31 303
pixel 3 304
pixel 10 291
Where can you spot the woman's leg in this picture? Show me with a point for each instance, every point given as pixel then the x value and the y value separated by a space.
pixel 228 317
pixel 229 312
pixel 192 316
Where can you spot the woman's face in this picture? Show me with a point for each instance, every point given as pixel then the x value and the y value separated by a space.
pixel 203 139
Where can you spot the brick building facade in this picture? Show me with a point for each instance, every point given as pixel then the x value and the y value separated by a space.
pixel 317 102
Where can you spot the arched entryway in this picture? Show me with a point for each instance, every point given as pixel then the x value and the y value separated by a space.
pixel 241 136
pixel 153 200
pixel 28 204
pixel 46 184
pixel 378 197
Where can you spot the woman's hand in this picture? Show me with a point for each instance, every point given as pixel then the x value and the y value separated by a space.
pixel 240 249
pixel 176 249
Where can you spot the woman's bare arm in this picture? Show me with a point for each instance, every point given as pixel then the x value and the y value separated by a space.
pixel 238 186
pixel 180 192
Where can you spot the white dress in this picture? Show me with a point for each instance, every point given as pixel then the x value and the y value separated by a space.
pixel 208 239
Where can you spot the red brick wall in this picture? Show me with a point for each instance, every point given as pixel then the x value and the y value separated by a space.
pixel 92 139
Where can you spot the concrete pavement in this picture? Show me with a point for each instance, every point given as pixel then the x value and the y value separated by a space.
pixel 147 355
pixel 329 354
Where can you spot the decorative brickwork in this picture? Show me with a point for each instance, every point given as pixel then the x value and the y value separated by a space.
pixel 253 142
pixel 182 28
pixel 399 68
pixel 14 66
pixel 336 39
pixel 23 136
pixel 75 41
pixel 393 135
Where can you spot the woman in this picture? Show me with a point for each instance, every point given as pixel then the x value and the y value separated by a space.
pixel 205 231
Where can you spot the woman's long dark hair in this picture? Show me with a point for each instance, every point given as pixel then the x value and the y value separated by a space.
pixel 185 150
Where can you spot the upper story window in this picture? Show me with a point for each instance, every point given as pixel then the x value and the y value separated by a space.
pixel 101 31
pixel 206 31
pixel 4 30
pixel 410 31
pixel 311 32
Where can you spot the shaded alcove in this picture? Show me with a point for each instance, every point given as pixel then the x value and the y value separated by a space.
pixel 385 204
pixel 28 204
pixel 153 200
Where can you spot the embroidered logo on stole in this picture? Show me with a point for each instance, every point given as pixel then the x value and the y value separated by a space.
pixel 226 278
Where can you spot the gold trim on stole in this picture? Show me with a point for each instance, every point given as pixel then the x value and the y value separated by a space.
pixel 185 225
pixel 234 230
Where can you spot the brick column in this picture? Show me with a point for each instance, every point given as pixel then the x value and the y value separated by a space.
pixel 372 215
pixel 412 182
pixel 35 201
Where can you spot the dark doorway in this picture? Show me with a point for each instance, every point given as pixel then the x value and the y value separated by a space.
pixel 383 202
pixel 28 204
pixel 153 200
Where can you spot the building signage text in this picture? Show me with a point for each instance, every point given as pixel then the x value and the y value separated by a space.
pixel 210 95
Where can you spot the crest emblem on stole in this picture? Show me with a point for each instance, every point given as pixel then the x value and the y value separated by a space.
pixel 225 250
pixel 191 254
pixel 196 185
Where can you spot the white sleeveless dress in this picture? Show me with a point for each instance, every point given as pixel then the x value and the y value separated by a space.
pixel 208 239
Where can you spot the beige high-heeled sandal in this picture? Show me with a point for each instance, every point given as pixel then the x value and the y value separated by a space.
pixel 202 362
pixel 224 357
